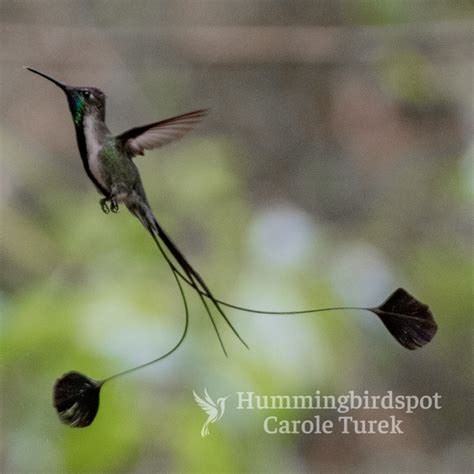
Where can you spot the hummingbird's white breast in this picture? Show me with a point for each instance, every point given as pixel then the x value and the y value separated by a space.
pixel 94 145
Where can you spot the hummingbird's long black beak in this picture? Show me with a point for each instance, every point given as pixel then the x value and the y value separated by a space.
pixel 60 84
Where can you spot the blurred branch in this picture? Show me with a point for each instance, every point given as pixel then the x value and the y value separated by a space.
pixel 250 44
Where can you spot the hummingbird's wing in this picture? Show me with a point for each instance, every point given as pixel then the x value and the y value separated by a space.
pixel 209 408
pixel 155 135
pixel 208 398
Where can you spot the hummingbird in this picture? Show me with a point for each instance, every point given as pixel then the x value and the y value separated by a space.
pixel 214 410
pixel 108 161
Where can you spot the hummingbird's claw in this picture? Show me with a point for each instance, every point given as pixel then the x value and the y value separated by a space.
pixel 114 206
pixel 109 204
pixel 103 205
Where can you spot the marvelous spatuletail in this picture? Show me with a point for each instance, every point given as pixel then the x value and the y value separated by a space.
pixel 108 162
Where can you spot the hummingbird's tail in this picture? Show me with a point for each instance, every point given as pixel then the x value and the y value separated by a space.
pixel 205 429
pixel 141 210
pixel 407 319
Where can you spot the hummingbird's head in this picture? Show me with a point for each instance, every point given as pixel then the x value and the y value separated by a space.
pixel 85 101
pixel 82 100
pixel 222 400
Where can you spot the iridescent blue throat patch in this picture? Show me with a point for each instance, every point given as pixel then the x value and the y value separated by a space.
pixel 79 107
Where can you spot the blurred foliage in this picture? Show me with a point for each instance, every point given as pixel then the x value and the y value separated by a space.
pixel 311 184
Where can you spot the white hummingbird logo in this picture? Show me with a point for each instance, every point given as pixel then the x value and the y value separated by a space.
pixel 213 410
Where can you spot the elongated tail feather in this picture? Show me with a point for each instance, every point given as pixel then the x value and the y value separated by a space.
pixel 194 275
pixel 143 212
pixel 409 321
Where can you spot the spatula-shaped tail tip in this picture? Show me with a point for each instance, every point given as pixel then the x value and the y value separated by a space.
pixel 76 399
pixel 409 321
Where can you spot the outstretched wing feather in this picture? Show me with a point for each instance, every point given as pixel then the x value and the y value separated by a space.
pixel 158 134
pixel 208 398
pixel 209 408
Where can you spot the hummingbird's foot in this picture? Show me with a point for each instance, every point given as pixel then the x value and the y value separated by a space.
pixel 104 206
pixel 114 206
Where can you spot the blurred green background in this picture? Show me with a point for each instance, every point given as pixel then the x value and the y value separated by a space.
pixel 336 165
